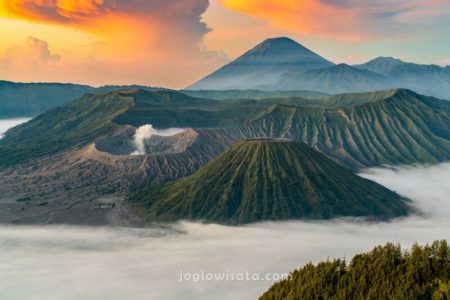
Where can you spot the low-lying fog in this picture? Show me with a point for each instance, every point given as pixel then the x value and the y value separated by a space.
pixel 6 124
pixel 100 263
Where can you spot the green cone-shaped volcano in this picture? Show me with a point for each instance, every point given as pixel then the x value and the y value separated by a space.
pixel 268 179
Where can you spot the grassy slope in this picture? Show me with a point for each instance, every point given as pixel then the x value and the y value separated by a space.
pixel 358 130
pixel 94 115
pixel 73 124
pixel 269 180
pixel 173 109
pixel 401 128
pixel 252 94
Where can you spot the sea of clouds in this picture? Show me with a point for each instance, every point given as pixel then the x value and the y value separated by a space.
pixel 6 124
pixel 61 262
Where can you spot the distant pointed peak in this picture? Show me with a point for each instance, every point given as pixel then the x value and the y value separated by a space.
pixel 284 49
pixel 281 39
pixel 279 42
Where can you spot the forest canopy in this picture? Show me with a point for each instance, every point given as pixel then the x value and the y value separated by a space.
pixel 386 272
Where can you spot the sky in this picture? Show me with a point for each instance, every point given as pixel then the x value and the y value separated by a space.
pixel 173 43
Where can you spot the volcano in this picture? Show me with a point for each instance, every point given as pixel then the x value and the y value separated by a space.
pixel 268 179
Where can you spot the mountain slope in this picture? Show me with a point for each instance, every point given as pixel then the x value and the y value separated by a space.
pixel 263 65
pixel 358 130
pixel 251 94
pixel 372 129
pixel 95 116
pixel 73 124
pixel 381 65
pixel 264 179
pixel 426 79
pixel 337 79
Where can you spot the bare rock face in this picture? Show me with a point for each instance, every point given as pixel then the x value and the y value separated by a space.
pixel 120 143
pixel 178 143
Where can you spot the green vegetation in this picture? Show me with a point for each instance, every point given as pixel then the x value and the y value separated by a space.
pixel 252 94
pixel 73 124
pixel 172 109
pixel 260 180
pixel 387 272
pixel 357 130
pixel 395 127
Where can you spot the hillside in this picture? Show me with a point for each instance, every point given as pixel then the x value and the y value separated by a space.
pixel 95 116
pixel 268 179
pixel 337 79
pixel 357 130
pixel 62 128
pixel 386 272
pixel 426 79
pixel 251 94
pixel 394 127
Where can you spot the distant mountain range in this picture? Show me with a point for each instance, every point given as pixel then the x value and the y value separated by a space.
pixel 31 99
pixel 268 179
pixel 283 64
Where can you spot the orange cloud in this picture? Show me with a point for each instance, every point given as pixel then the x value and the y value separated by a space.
pixel 31 53
pixel 348 20
pixel 147 37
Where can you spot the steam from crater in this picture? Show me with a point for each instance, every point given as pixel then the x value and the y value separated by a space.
pixel 142 133
pixel 145 132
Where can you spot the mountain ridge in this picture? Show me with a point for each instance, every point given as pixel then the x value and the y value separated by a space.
pixel 338 126
pixel 325 76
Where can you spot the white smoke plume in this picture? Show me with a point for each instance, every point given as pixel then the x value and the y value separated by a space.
pixel 142 133
pixel 145 132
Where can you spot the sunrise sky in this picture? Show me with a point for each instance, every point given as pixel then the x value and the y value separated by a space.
pixel 173 43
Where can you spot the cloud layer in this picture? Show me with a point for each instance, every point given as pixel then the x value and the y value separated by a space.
pixel 101 263
pixel 348 20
